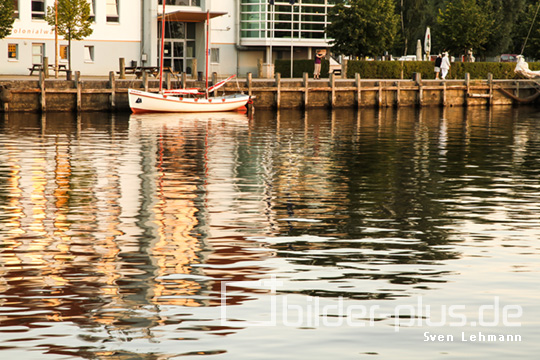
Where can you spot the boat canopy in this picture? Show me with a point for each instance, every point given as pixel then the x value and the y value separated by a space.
pixel 522 68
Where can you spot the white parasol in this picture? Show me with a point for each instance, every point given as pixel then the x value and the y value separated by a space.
pixel 419 50
pixel 427 43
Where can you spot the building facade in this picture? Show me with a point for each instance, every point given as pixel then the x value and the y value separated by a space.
pixel 242 35
pixel 116 34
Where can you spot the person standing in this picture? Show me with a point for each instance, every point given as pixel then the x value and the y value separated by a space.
pixel 318 59
pixel 438 61
pixel 445 66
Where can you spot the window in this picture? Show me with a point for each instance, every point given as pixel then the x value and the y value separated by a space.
pixel 214 55
pixel 63 53
pixel 92 4
pixel 38 9
pixel 181 2
pixel 89 53
pixel 16 9
pixel 112 11
pixel 307 19
pixel 13 51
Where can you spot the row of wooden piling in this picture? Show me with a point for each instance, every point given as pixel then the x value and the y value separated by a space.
pixel 280 93
pixel 452 92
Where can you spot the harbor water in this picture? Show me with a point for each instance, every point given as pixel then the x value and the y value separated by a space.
pixel 379 234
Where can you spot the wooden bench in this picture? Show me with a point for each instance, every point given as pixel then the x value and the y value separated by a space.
pixel 139 70
pixel 39 67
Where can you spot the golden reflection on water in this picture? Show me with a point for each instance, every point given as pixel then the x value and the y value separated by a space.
pixel 73 217
pixel 106 224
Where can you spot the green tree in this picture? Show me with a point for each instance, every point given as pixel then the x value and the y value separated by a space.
pixel 363 27
pixel 504 15
pixel 73 21
pixel 6 17
pixel 527 40
pixel 413 21
pixel 464 25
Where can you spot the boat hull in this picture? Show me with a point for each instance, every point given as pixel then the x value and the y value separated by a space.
pixel 143 101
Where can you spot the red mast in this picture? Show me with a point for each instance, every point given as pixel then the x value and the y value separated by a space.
pixel 162 48
pixel 207 50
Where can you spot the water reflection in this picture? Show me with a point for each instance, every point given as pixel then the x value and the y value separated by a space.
pixel 124 229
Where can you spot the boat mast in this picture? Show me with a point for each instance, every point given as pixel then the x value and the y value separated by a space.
pixel 207 49
pixel 162 48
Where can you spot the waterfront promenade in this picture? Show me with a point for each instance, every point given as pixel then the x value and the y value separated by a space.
pixel 109 93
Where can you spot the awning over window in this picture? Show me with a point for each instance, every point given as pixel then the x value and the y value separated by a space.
pixel 190 16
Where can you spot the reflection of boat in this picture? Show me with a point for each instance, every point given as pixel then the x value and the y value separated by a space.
pixel 184 100
pixel 168 118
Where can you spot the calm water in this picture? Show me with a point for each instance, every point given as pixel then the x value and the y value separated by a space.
pixel 286 235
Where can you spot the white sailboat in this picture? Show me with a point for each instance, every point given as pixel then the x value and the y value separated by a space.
pixel 184 100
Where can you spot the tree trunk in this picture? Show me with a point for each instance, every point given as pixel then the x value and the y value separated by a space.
pixel 69 52
pixel 403 30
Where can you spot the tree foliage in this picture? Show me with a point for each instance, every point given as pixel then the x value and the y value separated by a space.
pixel 504 14
pixel 528 33
pixel 414 18
pixel 6 18
pixel 464 25
pixel 365 27
pixel 489 27
pixel 73 21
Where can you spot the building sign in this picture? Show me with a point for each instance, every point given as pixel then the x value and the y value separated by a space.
pixel 32 31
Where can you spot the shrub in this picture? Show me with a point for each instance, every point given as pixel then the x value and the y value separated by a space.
pixel 300 67
pixel 406 69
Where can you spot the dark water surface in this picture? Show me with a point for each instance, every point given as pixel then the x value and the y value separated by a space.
pixel 381 234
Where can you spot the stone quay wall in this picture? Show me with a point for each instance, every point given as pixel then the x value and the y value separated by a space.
pixel 79 95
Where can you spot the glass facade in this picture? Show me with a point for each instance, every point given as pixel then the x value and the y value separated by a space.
pixel 305 20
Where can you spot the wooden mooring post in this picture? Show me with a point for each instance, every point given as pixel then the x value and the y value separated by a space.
pixel 490 84
pixel 78 83
pixel 333 90
pixel 398 93
pixel 145 80
pixel 122 63
pixel 249 83
pixel 358 83
pixel 278 90
pixel 112 86
pixel 43 98
pixel 418 82
pixel 111 93
pixel 306 90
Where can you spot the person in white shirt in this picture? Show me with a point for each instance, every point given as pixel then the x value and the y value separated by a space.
pixel 445 65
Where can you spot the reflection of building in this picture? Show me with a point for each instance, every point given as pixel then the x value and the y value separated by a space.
pixel 109 220
pixel 242 34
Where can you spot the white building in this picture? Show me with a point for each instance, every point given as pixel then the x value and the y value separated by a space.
pixel 116 34
pixel 243 34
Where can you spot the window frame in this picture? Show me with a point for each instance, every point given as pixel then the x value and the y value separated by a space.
pixel 113 17
pixel 63 49
pixel 214 55
pixel 16 9
pixel 89 53
pixel 92 10
pixel 15 51
pixel 38 15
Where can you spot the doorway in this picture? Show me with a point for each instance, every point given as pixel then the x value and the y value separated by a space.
pixel 38 51
pixel 179 46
